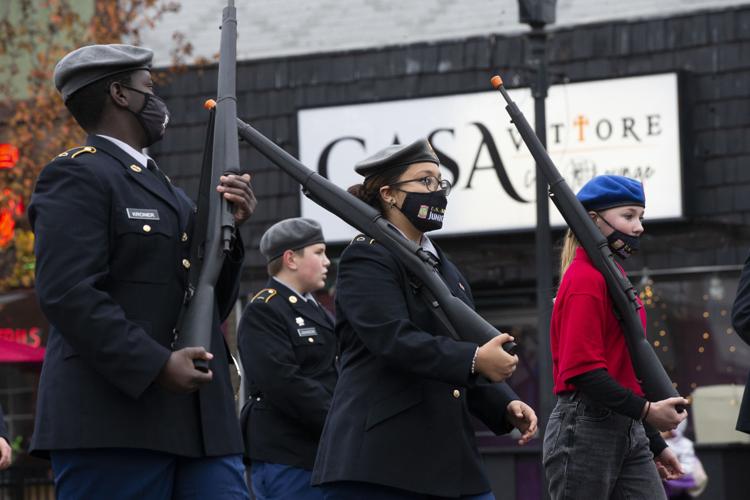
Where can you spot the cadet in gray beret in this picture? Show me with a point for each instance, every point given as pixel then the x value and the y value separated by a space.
pixel 290 234
pixel 112 285
pixel 288 348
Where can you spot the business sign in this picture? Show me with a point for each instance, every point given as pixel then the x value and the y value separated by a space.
pixel 626 126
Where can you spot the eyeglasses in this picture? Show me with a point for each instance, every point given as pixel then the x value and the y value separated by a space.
pixel 432 184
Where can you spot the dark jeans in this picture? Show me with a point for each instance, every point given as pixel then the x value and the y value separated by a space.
pixel 281 482
pixel 592 453
pixel 127 474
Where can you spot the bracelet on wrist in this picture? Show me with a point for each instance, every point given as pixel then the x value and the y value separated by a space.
pixel 474 362
pixel 648 408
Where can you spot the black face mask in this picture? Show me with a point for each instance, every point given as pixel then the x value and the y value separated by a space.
pixel 425 210
pixel 153 116
pixel 621 244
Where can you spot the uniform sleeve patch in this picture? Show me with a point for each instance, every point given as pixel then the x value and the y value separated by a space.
pixel 264 295
pixel 360 238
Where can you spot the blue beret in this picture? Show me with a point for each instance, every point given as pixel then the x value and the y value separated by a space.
pixel 290 234
pixel 91 63
pixel 397 155
pixel 609 191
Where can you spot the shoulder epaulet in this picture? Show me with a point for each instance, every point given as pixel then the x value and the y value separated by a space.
pixel 264 295
pixel 361 238
pixel 78 150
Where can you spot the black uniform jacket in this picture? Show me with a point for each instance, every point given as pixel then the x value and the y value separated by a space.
pixel 288 351
pixel 401 409
pixel 112 247
pixel 741 324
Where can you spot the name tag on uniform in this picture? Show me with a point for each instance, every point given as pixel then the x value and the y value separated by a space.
pixel 307 332
pixel 143 213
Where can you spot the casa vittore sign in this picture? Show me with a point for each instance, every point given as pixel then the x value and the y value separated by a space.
pixel 627 126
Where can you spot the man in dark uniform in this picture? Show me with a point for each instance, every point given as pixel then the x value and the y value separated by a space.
pixel 5 449
pixel 288 350
pixel 120 413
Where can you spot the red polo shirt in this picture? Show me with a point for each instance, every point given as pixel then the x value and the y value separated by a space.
pixel 585 334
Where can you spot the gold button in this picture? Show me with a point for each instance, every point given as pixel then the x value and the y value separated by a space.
pixel 186 263
pixel 184 237
pixel 135 168
pixel 292 299
pixel 146 228
pixel 456 393
pixel 310 339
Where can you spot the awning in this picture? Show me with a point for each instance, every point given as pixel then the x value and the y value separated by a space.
pixel 14 352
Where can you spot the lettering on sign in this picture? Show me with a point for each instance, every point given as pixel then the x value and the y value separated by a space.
pixel 627 126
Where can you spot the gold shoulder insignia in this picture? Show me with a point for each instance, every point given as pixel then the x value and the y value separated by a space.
pixel 264 295
pixel 73 152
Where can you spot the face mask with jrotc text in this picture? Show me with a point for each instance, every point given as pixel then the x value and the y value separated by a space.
pixel 425 210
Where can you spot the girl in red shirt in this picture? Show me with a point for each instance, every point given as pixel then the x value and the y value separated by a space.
pixel 602 438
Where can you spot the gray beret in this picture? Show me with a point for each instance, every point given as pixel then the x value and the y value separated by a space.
pixel 89 64
pixel 397 156
pixel 290 234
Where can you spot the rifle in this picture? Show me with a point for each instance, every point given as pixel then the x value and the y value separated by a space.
pixel 216 221
pixel 459 319
pixel 653 379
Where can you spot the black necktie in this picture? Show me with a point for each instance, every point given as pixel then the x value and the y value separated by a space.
pixel 319 309
pixel 151 165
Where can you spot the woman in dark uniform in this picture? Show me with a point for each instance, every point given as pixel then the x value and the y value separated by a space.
pixel 400 425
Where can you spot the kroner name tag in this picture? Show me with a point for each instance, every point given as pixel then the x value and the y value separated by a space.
pixel 142 213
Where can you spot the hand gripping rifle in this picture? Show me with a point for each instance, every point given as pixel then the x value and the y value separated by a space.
pixel 649 370
pixel 216 219
pixel 458 318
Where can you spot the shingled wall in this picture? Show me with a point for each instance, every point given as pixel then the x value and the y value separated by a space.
pixel 710 50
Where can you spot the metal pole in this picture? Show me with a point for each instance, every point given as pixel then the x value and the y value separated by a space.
pixel 538 41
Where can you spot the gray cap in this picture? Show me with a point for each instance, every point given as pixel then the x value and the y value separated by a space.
pixel 290 234
pixel 89 64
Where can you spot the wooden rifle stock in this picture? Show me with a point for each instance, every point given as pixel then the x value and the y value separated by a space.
pixel 651 374
pixel 460 319
pixel 196 320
